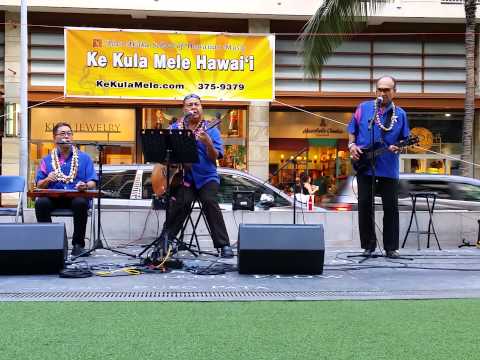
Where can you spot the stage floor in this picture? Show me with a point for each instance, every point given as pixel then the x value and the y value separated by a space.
pixel 452 273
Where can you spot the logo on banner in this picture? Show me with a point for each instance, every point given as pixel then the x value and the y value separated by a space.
pixel 96 43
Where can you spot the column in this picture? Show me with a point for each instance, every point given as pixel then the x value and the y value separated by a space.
pixel 258 121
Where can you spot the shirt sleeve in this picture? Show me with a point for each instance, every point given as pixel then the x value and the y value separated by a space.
pixel 41 171
pixel 352 127
pixel 91 174
pixel 217 141
pixel 406 126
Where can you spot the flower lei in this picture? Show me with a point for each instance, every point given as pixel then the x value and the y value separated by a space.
pixel 58 170
pixel 379 122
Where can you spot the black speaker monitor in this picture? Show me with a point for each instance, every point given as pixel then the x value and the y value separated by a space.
pixel 280 249
pixel 32 248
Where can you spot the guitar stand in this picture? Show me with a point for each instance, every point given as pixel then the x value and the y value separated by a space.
pixel 468 244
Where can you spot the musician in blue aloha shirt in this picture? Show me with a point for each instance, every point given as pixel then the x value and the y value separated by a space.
pixel 389 125
pixel 200 180
pixel 66 168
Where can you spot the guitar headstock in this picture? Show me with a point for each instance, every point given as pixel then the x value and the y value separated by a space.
pixel 409 141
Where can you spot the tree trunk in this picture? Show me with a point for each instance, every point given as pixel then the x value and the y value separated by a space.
pixel 467 155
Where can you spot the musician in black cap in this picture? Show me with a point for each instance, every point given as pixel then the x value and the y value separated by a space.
pixel 200 179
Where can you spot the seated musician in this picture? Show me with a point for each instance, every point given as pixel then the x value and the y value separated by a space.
pixel 200 179
pixel 66 168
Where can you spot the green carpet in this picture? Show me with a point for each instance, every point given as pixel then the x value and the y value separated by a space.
pixel 418 329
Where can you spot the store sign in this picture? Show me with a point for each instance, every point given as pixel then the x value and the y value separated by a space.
pixel 323 130
pixel 168 65
pixel 106 125
pixel 307 126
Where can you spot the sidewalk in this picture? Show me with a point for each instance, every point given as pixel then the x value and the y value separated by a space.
pixel 452 273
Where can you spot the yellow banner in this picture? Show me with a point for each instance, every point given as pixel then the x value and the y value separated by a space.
pixel 168 65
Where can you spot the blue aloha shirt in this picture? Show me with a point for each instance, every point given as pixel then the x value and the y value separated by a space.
pixel 387 163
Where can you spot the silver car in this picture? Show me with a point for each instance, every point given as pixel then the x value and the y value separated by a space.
pixel 453 193
pixel 129 186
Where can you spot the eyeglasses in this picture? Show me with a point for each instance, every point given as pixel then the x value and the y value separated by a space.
pixel 64 133
pixel 384 89
pixel 191 96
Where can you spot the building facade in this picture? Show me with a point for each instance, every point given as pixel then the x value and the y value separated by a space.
pixel 421 43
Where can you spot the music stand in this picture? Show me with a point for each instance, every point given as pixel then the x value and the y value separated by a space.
pixel 168 146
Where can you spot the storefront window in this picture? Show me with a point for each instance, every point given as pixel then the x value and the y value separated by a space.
pixel 440 134
pixel 325 157
pixel 115 128
pixel 232 128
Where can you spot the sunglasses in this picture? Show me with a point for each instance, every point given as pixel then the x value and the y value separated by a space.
pixel 64 133
pixel 191 96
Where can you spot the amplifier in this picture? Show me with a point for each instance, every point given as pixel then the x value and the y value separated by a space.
pixel 280 249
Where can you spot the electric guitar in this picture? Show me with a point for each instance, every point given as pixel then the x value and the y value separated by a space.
pixel 364 162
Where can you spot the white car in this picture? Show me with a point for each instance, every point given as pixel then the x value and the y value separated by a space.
pixel 129 186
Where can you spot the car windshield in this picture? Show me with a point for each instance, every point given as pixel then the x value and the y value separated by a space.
pixel 118 184
pixel 230 183
pixel 466 192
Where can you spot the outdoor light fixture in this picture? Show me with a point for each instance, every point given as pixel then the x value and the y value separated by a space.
pixel 10 119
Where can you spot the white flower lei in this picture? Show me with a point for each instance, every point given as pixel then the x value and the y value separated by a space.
pixel 60 176
pixel 379 122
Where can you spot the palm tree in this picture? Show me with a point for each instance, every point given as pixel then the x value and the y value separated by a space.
pixel 330 25
pixel 335 19
pixel 467 154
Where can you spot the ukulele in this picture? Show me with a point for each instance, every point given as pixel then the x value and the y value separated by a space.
pixel 159 172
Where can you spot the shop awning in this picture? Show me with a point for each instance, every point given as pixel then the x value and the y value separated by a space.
pixel 322 142
pixel 287 144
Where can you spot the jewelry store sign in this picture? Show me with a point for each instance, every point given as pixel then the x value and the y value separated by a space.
pixel 108 125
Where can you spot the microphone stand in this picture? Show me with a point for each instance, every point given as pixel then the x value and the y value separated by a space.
pixel 98 241
pixel 371 130
pixel 294 162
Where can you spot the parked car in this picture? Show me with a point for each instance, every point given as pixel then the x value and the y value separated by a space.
pixel 129 186
pixel 453 193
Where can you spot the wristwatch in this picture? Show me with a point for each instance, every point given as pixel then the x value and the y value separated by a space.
pixel 350 145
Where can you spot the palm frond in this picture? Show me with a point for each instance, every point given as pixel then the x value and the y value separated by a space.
pixel 330 25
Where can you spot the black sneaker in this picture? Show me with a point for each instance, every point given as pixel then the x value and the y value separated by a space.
pixel 79 250
pixel 393 254
pixel 226 252
pixel 368 252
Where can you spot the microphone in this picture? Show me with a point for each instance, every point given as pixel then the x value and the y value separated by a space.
pixel 379 100
pixel 188 115
pixel 63 142
pixel 93 143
